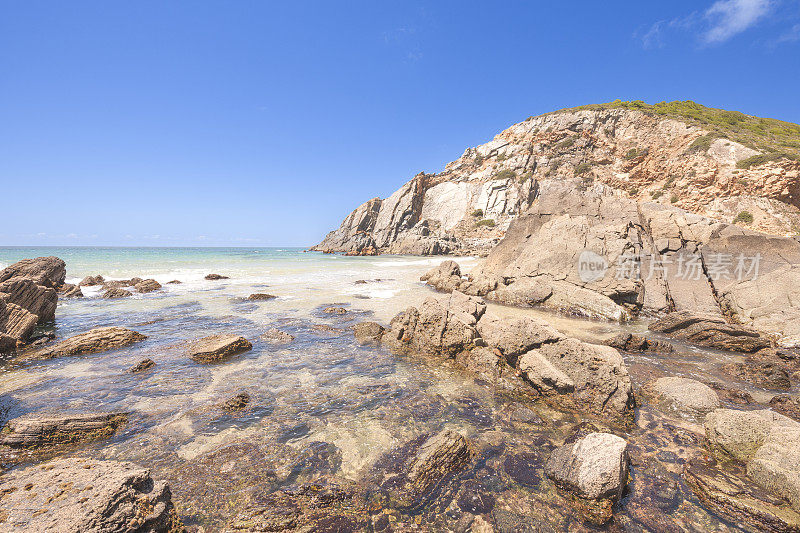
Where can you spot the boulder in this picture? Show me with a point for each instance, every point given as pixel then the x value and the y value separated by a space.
pixel 421 466
pixel 368 332
pixel 786 405
pixel 69 290
pixel 116 292
pixel 335 311
pixel 684 396
pixel 739 434
pixel 147 285
pixel 629 342
pixel 92 341
pixel 446 277
pixel 514 337
pixel 142 365
pixel 90 281
pixel 174 282
pixel 218 347
pixel 88 496
pixel 710 331
pixel 277 336
pixel 594 467
pixel 261 296
pixel 215 277
pixel 46 431
pixel 48 271
pixel 775 465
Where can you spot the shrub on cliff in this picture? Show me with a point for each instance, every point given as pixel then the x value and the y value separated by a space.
pixel 505 175
pixel 487 222
pixel 745 217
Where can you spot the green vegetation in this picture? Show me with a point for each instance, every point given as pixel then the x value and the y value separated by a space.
pixel 760 159
pixel 478 160
pixel 505 175
pixel 764 134
pixel 655 195
pixel 566 143
pixel 488 222
pixel 703 143
pixel 744 217
pixel 502 157
pixel 583 168
pixel 631 154
pixel 674 198
pixel 525 177
pixel 634 191
pixel 477 213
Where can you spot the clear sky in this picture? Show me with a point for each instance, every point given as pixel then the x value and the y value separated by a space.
pixel 252 123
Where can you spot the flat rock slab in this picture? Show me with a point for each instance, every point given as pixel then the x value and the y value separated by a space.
pixel 710 331
pixel 46 431
pixel 684 396
pixel 92 341
pixel 259 296
pixel 217 347
pixel 87 496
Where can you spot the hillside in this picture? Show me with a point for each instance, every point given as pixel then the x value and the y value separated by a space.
pixel 721 164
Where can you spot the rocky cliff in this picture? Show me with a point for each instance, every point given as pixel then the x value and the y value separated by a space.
pixel 725 165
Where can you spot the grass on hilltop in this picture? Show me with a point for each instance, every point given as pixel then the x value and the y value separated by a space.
pixel 775 137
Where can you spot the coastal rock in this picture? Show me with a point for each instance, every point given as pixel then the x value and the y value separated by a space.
pixel 786 405
pixel 174 282
pixel 335 311
pixel 88 496
pixel 710 331
pixel 28 296
pixel 277 336
pixel 92 341
pixel 215 277
pixel 592 468
pixel 416 469
pixel 739 434
pixel 446 277
pixel 628 342
pixel 90 281
pixel 142 365
pixel 514 337
pixel 684 396
pixel 147 285
pixel 218 347
pixel 70 291
pixel 237 403
pixel 46 431
pixel 260 296
pixel 116 292
pixel 368 332
pixel 776 464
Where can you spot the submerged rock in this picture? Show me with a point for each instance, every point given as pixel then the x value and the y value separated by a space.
pixel 215 277
pixel 46 431
pixel 765 372
pixel 147 285
pixel 628 342
pixel 683 395
pixel 92 341
pixel 174 282
pixel 418 468
pixel 142 365
pixel 116 292
pixel 88 496
pixel 237 403
pixel 710 331
pixel 218 347
pixel 335 311
pixel 592 468
pixel 259 296
pixel 368 332
pixel 277 336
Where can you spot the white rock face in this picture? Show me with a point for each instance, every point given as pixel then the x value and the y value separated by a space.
pixel 593 467
pixel 447 202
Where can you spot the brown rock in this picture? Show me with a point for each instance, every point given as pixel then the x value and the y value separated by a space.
pixel 258 296
pixel 142 365
pixel 92 341
pixel 46 431
pixel 237 403
pixel 147 285
pixel 87 496
pixel 68 290
pixel 90 281
pixel 174 282
pixel 116 292
pixel 628 342
pixel 710 331
pixel 368 332
pixel 218 347
pixel 48 271
pixel 277 336
pixel 335 310
pixel 214 277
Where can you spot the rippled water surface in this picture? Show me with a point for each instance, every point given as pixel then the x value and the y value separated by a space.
pixel 322 406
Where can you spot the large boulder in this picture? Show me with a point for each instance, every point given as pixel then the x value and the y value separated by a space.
pixel 88 496
pixel 368 332
pixel 594 467
pixel 710 331
pixel 92 341
pixel 44 431
pixel 28 296
pixel 446 277
pixel 147 285
pixel 683 396
pixel 739 434
pixel 218 347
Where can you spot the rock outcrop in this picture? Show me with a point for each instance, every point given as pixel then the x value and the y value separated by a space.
pixel 47 431
pixel 218 347
pixel 147 285
pixel 683 396
pixel 92 341
pixel 640 152
pixel 28 297
pixel 587 376
pixel 86 495
pixel 593 468
pixel 710 331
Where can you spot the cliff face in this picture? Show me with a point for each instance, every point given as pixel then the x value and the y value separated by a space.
pixel 641 154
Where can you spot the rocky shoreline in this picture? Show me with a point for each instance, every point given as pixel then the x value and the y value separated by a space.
pixel 580 437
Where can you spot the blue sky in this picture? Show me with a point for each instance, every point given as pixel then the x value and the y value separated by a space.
pixel 265 123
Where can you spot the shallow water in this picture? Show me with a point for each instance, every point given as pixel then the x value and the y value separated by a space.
pixel 322 405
